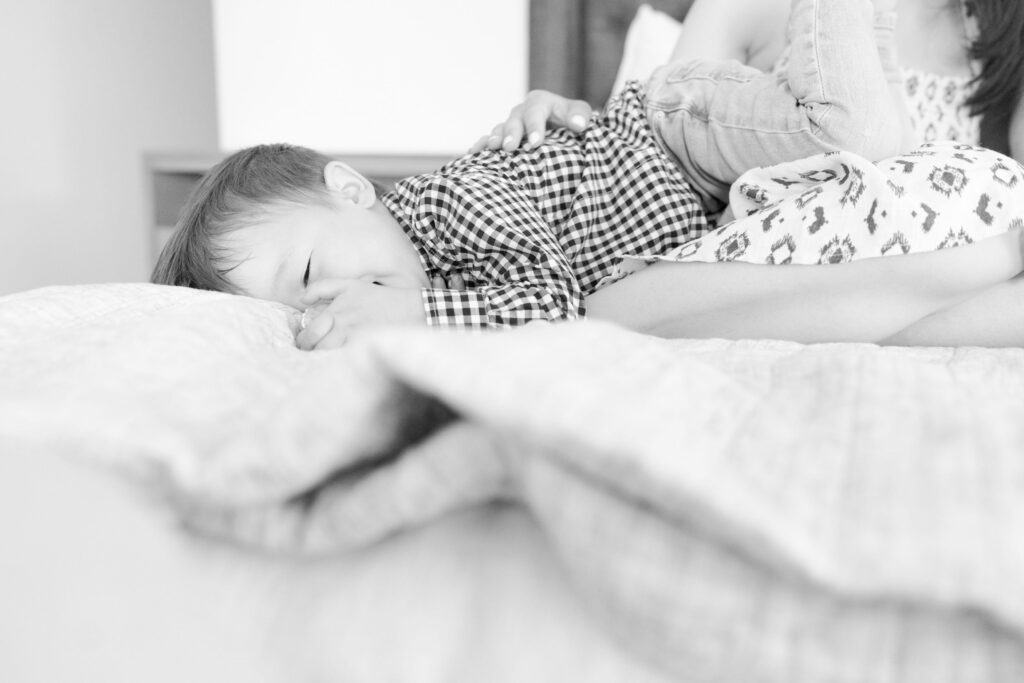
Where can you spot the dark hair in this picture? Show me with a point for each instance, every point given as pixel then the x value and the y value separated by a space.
pixel 999 48
pixel 238 191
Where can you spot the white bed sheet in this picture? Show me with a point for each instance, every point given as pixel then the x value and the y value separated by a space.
pixel 99 583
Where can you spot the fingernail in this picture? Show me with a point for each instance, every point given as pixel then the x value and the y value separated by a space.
pixel 507 142
pixel 578 121
pixel 534 138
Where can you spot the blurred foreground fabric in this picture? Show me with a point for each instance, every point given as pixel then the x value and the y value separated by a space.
pixel 752 510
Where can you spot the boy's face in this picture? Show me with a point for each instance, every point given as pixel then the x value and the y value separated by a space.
pixel 279 257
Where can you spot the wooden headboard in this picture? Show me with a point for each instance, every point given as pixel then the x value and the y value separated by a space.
pixel 576 45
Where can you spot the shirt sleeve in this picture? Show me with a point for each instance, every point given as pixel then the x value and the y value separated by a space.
pixel 497 234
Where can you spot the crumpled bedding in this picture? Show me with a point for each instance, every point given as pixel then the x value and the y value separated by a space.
pixel 753 510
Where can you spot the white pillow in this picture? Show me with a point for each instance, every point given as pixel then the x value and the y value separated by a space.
pixel 649 43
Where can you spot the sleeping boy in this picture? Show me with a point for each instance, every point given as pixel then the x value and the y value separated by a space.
pixel 531 233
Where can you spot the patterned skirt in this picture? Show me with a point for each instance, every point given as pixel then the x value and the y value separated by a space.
pixel 837 207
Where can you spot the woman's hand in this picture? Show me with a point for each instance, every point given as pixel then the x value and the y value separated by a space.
pixel 532 117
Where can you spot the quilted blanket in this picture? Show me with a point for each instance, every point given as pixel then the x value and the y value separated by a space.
pixel 735 511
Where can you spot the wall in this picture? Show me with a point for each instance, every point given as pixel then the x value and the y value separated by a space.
pixel 87 87
pixel 357 76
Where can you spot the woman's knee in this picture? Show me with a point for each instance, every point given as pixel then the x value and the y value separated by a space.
pixel 874 135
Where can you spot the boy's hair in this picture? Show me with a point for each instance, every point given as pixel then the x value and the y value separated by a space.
pixel 239 191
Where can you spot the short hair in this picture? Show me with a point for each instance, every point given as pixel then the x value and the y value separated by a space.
pixel 238 191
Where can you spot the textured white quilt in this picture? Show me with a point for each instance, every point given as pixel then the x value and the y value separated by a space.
pixel 735 511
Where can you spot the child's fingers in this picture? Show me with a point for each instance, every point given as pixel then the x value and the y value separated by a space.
pixel 335 338
pixel 328 288
pixel 317 329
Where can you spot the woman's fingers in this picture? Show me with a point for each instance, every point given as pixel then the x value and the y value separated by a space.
pixel 577 116
pixel 535 121
pixel 572 114
pixel 494 139
pixel 480 144
pixel 531 119
pixel 512 131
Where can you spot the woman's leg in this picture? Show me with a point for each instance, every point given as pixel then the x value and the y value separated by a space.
pixel 862 301
pixel 720 119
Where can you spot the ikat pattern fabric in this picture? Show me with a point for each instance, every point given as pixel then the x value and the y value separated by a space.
pixel 837 207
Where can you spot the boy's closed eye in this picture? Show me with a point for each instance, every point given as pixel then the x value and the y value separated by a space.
pixel 305 276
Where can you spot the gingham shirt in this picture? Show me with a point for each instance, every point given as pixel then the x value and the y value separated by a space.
pixel 533 232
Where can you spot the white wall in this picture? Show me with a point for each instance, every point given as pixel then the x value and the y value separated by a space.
pixel 86 88
pixel 368 75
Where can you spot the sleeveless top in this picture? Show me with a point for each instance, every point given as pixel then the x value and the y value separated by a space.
pixel 938 109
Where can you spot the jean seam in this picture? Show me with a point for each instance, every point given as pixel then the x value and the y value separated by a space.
pixel 810 126
pixel 713 79
pixel 825 97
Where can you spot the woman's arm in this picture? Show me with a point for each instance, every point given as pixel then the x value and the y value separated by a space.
pixel 750 31
pixel 861 301
pixel 994 318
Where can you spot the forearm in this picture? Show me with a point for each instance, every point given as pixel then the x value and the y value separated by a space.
pixel 865 300
pixel 994 318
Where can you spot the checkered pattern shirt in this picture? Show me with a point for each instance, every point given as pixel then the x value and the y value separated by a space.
pixel 534 232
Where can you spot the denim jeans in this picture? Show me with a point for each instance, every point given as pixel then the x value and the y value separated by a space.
pixel 842 91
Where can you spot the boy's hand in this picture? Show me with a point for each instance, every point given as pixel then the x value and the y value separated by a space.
pixel 356 304
pixel 455 281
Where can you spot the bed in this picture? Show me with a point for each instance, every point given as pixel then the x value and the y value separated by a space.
pixel 187 496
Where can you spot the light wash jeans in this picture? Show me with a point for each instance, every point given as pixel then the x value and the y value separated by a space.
pixel 841 91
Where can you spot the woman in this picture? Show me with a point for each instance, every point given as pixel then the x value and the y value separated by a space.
pixel 961 63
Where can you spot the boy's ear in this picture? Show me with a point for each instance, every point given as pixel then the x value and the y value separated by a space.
pixel 348 185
